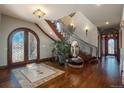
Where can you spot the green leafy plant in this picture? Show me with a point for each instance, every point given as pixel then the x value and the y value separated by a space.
pixel 62 50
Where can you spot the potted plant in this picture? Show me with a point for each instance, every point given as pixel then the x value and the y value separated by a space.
pixel 62 49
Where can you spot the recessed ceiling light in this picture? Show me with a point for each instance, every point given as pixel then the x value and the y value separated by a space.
pixel 106 22
pixel 98 4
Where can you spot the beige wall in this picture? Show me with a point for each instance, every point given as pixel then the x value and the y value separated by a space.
pixel 8 24
pixel 80 22
pixel 122 49
pixel 123 29
pixel 0 39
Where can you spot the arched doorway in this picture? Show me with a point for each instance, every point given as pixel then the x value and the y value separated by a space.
pixel 23 47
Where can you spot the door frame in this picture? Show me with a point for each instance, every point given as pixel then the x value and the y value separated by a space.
pixel 115 45
pixel 106 44
pixel 9 47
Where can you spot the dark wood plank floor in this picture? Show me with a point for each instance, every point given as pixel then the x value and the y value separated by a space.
pixel 104 74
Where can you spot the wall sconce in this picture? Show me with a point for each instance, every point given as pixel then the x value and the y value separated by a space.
pixel 86 29
pixel 122 24
pixel 72 25
pixel 38 13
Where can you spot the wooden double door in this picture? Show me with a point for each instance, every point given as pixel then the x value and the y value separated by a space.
pixel 23 47
pixel 110 45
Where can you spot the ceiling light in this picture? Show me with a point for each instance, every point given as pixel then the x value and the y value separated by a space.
pixel 38 13
pixel 98 4
pixel 72 14
pixel 106 22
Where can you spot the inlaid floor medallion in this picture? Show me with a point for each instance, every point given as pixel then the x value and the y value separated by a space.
pixel 35 74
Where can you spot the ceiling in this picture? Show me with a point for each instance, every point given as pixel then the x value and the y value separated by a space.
pixel 97 14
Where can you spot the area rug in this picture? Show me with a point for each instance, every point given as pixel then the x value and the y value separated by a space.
pixel 34 75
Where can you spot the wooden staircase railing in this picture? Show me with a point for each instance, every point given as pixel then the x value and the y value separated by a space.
pixel 44 32
pixel 60 36
pixel 86 57
pixel 53 27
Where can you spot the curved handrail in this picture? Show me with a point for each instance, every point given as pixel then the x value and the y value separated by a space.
pixel 84 41
pixel 54 29
pixel 44 32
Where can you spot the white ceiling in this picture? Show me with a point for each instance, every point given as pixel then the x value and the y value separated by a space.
pixel 97 14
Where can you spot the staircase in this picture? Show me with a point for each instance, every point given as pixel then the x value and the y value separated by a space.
pixel 88 52
pixel 53 27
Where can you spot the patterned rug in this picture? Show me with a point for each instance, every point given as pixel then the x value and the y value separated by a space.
pixel 34 75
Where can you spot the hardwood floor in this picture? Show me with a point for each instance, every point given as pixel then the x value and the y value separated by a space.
pixel 104 74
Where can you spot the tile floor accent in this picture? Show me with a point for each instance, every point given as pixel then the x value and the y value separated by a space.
pixel 35 74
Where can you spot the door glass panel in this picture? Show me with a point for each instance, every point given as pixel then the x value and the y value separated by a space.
pixel 32 53
pixel 111 46
pixel 103 46
pixel 18 47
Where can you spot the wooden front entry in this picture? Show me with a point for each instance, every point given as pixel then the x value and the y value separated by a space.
pixel 110 44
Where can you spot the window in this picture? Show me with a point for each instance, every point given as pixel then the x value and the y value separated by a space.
pixel 59 26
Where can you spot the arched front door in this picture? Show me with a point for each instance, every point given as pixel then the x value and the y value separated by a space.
pixel 23 47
